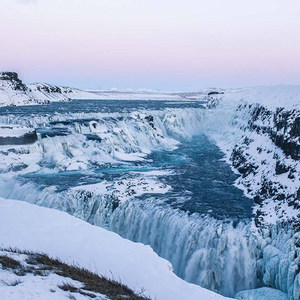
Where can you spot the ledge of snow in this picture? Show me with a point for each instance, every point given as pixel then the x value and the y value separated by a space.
pixel 30 227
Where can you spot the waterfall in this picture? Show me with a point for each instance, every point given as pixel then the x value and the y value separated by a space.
pixel 214 254
pixel 86 141
pixel 221 255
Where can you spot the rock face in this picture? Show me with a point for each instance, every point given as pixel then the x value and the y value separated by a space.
pixel 282 126
pixel 268 157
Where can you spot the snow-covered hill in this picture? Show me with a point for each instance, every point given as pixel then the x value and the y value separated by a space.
pixel 14 92
pixel 30 227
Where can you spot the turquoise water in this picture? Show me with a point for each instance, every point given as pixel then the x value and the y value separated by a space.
pixel 202 182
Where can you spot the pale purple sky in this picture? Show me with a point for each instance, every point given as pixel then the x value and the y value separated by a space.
pixel 159 44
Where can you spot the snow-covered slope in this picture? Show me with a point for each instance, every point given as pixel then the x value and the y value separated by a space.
pixel 34 276
pixel 14 92
pixel 30 227
pixel 57 93
pixel 272 97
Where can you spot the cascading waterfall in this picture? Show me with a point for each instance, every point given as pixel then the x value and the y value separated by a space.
pixel 221 255
pixel 91 140
pixel 202 250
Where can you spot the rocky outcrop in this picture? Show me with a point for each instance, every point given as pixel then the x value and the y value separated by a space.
pixel 17 135
pixel 12 80
pixel 48 88
pixel 282 126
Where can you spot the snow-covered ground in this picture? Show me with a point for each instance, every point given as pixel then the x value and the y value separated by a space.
pixel 137 95
pixel 127 188
pixel 272 97
pixel 29 227
pixel 21 277
pixel 14 131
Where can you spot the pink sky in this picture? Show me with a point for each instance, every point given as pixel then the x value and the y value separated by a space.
pixel 175 45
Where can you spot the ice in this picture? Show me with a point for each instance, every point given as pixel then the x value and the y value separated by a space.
pixel 14 131
pixel 261 294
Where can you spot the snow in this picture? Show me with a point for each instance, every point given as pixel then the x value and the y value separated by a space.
pixel 14 92
pixel 137 95
pixel 287 96
pixel 35 287
pixel 43 93
pixel 125 189
pixel 155 173
pixel 58 234
pixel 134 138
pixel 58 93
pixel 14 131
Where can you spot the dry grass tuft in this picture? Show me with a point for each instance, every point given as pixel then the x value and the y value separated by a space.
pixel 41 264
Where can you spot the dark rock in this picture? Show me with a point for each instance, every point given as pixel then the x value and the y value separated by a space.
pixel 239 161
pixel 14 80
pixel 150 120
pixel 257 199
pixel 281 168
pixel 48 88
pixel 19 167
pixel 215 93
pixel 93 137
pixel 27 138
